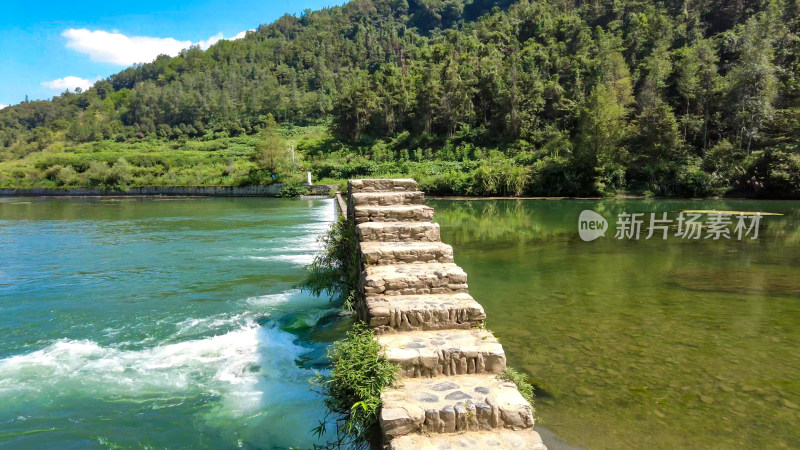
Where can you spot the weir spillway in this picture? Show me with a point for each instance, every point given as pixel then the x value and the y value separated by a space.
pixel 416 299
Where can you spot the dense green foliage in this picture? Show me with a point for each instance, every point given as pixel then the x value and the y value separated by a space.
pixel 544 98
pixel 353 391
pixel 335 270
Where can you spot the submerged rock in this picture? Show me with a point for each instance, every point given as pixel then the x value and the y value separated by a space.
pixel 580 390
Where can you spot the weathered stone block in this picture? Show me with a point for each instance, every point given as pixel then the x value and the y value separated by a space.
pixel 423 312
pixel 444 353
pixel 482 440
pixel 381 184
pixel 413 279
pixel 398 232
pixel 384 253
pixel 403 213
pixel 387 198
pixel 417 396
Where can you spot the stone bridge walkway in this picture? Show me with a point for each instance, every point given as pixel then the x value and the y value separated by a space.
pixel 416 299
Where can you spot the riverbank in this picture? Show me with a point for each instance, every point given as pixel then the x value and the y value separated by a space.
pixel 270 190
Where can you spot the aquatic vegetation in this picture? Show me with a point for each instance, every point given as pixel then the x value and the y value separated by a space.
pixel 359 372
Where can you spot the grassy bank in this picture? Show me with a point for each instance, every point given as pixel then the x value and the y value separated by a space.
pixel 108 164
pixel 452 166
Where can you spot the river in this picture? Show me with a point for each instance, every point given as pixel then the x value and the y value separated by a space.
pixel 172 322
pixel 659 343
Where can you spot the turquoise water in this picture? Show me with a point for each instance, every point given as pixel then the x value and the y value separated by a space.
pixel 160 322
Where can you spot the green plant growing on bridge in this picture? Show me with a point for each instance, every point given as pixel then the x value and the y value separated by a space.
pixel 335 270
pixel 523 385
pixel 353 390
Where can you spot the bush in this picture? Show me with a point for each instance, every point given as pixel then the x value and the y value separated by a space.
pixel 67 177
pixel 335 270
pixel 293 189
pixel 97 173
pixel 119 175
pixel 353 391
pixel 692 180
pixel 501 177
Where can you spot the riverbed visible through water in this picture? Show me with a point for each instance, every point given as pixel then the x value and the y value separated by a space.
pixel 675 343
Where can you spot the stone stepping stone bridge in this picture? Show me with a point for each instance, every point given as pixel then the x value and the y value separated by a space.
pixel 416 300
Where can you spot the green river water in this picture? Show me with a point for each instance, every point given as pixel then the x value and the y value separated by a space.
pixel 641 343
pixel 174 322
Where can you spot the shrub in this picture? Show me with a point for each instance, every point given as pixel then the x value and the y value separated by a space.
pixel 353 391
pixel 67 177
pixel 293 189
pixel 692 180
pixel 335 270
pixel 119 175
pixel 97 173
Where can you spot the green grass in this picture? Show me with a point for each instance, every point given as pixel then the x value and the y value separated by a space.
pixel 220 162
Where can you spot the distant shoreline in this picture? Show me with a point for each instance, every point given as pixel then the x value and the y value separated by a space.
pixel 270 190
pixel 274 190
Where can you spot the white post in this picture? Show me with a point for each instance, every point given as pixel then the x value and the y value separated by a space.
pixel 309 178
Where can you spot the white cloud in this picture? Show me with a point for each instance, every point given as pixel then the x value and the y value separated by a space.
pixel 3 106
pixel 240 35
pixel 210 41
pixel 68 83
pixel 117 48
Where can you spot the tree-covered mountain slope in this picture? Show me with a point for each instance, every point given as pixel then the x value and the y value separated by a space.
pixel 552 97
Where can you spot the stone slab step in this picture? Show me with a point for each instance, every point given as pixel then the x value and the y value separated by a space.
pixel 398 232
pixel 383 253
pixel 453 404
pixel 476 440
pixel 387 313
pixel 413 279
pixel 387 198
pixel 403 213
pixel 448 352
pixel 381 184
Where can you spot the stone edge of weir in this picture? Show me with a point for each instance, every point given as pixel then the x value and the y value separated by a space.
pixel 416 299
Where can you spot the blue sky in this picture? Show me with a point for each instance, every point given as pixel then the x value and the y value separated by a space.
pixel 47 46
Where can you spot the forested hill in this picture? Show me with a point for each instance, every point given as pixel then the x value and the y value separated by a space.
pixel 687 98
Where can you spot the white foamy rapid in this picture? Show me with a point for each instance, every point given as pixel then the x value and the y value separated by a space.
pixel 229 364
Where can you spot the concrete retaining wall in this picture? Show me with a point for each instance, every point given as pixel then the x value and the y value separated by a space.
pixel 270 190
